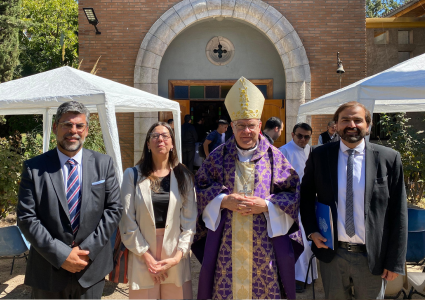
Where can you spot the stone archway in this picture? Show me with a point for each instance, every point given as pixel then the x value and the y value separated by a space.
pixel 256 12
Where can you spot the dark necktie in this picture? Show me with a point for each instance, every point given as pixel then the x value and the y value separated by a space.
pixel 349 216
pixel 73 195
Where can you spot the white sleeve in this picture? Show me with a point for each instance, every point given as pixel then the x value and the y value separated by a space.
pixel 211 214
pixel 320 140
pixel 278 222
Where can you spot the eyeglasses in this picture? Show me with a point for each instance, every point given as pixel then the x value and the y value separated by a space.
pixel 68 126
pixel 242 127
pixel 300 136
pixel 155 136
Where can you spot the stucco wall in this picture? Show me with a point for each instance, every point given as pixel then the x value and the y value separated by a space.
pixel 255 56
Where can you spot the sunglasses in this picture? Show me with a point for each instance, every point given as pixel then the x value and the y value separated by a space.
pixel 300 136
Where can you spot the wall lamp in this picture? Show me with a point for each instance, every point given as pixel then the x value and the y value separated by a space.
pixel 91 17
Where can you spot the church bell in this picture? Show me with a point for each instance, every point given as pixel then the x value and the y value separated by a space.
pixel 340 69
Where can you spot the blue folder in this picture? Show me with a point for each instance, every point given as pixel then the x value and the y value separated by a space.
pixel 325 223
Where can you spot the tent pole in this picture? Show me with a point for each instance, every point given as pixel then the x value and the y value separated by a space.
pixel 108 124
pixel 47 127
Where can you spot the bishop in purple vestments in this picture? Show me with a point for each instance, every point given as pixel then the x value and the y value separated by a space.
pixel 270 204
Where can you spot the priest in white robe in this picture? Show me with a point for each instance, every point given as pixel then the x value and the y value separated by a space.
pixel 297 152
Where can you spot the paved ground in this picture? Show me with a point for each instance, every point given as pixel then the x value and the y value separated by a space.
pixel 12 286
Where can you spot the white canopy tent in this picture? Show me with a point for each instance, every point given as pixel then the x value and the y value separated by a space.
pixel 397 89
pixel 43 93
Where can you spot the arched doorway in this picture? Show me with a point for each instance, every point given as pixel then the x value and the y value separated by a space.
pixel 257 13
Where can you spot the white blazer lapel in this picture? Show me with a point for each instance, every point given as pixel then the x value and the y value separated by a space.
pixel 145 189
pixel 174 195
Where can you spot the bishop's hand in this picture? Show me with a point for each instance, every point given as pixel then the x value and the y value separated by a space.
pixel 233 202
pixel 253 206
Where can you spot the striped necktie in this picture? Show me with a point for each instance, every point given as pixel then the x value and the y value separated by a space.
pixel 349 211
pixel 73 194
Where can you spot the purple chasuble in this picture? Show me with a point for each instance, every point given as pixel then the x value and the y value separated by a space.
pixel 270 255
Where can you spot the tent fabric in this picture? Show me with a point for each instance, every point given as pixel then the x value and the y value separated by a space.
pixel 398 89
pixel 43 93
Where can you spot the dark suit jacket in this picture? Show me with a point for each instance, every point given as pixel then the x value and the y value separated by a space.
pixel 385 203
pixel 43 218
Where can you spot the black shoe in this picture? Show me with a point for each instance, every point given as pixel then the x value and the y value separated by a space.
pixel 299 288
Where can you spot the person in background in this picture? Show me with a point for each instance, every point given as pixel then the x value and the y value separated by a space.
pixel 364 186
pixel 69 207
pixel 171 123
pixel 159 218
pixel 273 129
pixel 297 152
pixel 216 138
pixel 201 131
pixel 189 138
pixel 330 135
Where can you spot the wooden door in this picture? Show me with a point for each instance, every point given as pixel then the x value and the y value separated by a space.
pixel 275 108
pixel 164 116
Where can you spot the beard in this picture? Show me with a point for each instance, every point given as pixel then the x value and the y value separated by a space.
pixel 71 147
pixel 353 138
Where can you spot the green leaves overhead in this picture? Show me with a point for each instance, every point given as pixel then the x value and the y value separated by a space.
pixel 51 39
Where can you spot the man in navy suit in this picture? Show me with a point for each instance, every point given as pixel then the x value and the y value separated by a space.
pixel 69 206
pixel 364 187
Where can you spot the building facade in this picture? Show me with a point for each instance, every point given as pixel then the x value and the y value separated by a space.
pixel 170 48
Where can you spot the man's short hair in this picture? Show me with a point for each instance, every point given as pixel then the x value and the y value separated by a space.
pixel 73 107
pixel 222 122
pixel 273 122
pixel 187 118
pixel 170 121
pixel 304 126
pixel 368 116
pixel 331 123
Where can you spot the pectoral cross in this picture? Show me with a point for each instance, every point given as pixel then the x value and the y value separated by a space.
pixel 245 190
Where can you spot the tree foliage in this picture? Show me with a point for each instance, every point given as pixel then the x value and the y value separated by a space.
pixel 50 40
pixel 376 8
pixel 411 144
pixel 10 26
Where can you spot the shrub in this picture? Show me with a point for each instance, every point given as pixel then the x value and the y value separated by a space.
pixel 411 144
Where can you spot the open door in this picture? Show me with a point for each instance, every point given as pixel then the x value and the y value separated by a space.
pixel 275 108
pixel 164 116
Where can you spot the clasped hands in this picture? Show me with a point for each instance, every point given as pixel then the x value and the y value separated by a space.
pixel 158 269
pixel 319 241
pixel 245 205
pixel 76 261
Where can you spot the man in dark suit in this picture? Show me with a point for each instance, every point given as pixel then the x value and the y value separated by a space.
pixel 69 206
pixel 363 185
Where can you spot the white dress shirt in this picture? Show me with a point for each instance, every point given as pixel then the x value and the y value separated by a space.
pixel 358 193
pixel 296 156
pixel 64 167
pixel 278 222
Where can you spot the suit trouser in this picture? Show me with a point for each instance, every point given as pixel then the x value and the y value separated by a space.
pixel 349 269
pixel 188 152
pixel 72 291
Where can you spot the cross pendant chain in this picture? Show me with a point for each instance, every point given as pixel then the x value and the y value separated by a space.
pixel 245 190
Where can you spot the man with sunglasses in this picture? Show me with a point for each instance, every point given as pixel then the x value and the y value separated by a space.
pixel 297 152
pixel 69 206
pixel 248 202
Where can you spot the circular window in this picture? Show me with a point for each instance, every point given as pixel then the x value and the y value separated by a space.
pixel 220 51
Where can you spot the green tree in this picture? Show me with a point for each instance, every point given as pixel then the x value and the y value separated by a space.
pixel 10 26
pixel 376 8
pixel 50 40
pixel 411 144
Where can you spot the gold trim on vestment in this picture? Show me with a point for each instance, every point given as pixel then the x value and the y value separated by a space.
pixel 242 240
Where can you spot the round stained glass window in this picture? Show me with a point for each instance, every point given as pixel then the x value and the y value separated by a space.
pixel 220 51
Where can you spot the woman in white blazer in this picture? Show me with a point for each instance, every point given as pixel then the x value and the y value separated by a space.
pixel 159 220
